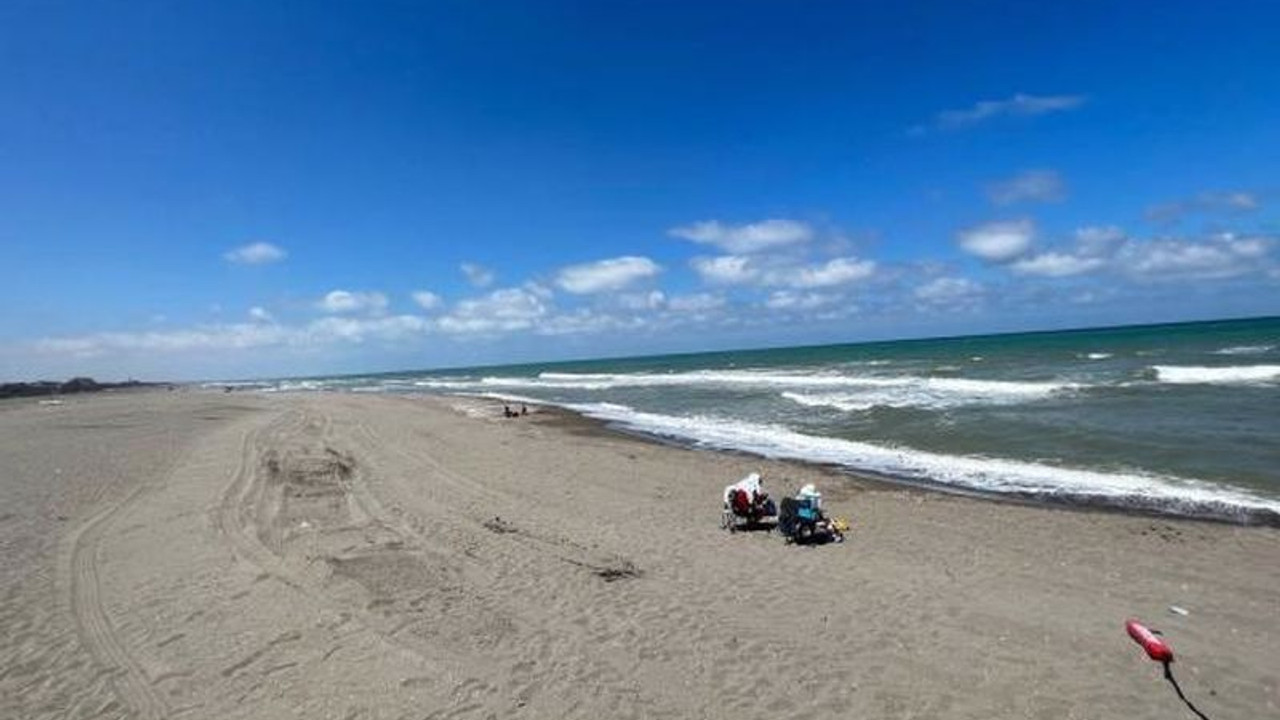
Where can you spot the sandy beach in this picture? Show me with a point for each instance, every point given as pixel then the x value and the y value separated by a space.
pixel 192 554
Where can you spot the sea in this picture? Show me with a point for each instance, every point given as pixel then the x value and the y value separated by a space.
pixel 1180 419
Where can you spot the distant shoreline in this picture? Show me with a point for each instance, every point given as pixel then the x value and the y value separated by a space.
pixel 45 388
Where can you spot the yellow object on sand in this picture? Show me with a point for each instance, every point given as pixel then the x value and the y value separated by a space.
pixel 840 524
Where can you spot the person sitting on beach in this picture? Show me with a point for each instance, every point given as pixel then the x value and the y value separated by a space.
pixel 507 412
pixel 765 507
pixel 761 503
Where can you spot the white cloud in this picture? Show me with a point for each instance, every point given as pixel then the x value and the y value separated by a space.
pixel 740 270
pixel 231 337
pixel 1222 256
pixel 1055 264
pixel 259 253
pixel 1020 105
pixel 696 303
pixel 999 241
pixel 357 330
pixel 744 239
pixel 950 293
pixel 426 299
pixel 725 269
pixel 606 275
pixel 792 300
pixel 583 321
pixel 1098 239
pixel 345 301
pixel 1229 202
pixel 1029 186
pixel 651 300
pixel 260 314
pixel 478 275
pixel 210 337
pixel 505 310
pixel 837 271
pixel 1236 201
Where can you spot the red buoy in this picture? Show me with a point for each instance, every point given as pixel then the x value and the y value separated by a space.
pixel 1157 649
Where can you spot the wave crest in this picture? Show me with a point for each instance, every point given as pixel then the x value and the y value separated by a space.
pixel 1136 490
pixel 1232 375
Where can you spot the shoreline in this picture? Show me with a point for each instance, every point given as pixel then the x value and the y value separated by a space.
pixel 1066 502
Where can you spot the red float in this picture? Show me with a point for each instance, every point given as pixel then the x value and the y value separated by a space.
pixel 1157 649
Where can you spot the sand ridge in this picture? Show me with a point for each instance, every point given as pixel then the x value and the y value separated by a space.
pixel 346 556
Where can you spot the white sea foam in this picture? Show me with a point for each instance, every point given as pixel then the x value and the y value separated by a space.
pixel 900 386
pixel 294 385
pixel 1232 375
pixel 1097 356
pixel 1245 350
pixel 968 472
pixel 510 398
pixel 930 393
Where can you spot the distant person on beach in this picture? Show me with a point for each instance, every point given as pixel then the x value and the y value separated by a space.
pixel 506 411
pixel 524 409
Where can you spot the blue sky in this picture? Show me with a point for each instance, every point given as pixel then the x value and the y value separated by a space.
pixel 242 188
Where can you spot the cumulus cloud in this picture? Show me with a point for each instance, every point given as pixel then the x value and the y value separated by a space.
pixel 950 292
pixel 346 301
pixel 223 337
pixel 764 271
pixel 837 271
pixel 651 300
pixel 1095 246
pixel 1230 202
pixel 606 275
pixel 357 330
pixel 1019 105
pixel 505 310
pixel 259 253
pixel 1098 239
pixel 725 269
pixel 696 303
pixel 1100 249
pixel 793 300
pixel 426 299
pixel 1029 186
pixel 1221 256
pixel 745 239
pixel 1057 264
pixel 260 314
pixel 478 275
pixel 999 241
pixel 583 321
pixel 211 337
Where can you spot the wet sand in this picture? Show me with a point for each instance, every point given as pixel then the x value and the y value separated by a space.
pixel 191 554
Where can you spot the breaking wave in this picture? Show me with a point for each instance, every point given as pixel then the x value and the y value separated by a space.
pixel 1245 350
pixel 1232 375
pixel 931 393
pixel 1132 490
pixel 959 387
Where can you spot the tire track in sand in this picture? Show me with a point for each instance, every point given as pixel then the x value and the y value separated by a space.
pixel 238 518
pixel 228 517
pixel 94 627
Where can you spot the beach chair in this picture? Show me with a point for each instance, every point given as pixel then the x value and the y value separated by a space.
pixel 747 506
pixel 802 521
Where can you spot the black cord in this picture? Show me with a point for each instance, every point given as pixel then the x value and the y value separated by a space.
pixel 1168 675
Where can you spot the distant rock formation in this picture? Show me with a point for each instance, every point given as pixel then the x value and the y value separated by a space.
pixel 74 385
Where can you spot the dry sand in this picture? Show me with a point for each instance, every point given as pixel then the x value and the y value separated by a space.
pixel 197 555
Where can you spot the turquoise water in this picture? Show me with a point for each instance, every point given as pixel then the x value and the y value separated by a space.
pixel 1178 418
